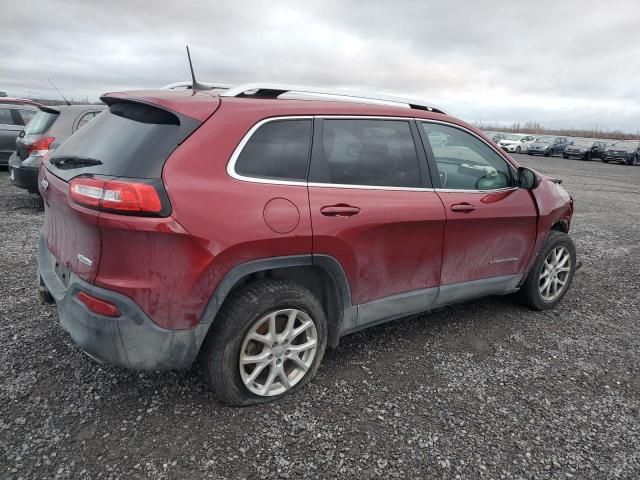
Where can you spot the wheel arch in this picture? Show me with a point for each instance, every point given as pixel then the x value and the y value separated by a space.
pixel 321 274
pixel 561 225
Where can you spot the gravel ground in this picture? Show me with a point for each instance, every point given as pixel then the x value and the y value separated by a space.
pixel 482 390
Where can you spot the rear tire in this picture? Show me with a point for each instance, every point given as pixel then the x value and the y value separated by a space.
pixel 533 293
pixel 256 321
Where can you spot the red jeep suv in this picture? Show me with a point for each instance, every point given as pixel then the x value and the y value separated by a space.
pixel 249 231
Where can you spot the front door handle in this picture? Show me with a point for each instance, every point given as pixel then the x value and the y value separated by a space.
pixel 340 210
pixel 463 207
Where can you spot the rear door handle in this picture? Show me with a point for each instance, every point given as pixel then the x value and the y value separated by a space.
pixel 341 210
pixel 463 207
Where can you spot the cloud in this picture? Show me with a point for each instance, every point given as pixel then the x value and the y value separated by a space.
pixel 570 63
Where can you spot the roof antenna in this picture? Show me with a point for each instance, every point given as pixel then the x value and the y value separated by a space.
pixel 195 86
pixel 65 99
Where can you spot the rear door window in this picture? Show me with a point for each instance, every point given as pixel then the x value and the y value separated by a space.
pixel 367 152
pixel 5 116
pixel 84 119
pixel 277 150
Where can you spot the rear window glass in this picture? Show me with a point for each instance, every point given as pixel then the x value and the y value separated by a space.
pixel 129 139
pixel 40 123
pixel 27 114
pixel 277 150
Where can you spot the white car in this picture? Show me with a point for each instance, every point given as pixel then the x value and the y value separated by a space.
pixel 517 142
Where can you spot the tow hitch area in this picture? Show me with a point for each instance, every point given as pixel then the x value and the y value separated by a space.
pixel 44 296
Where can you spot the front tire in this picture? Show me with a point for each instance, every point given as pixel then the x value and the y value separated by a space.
pixel 518 149
pixel 267 341
pixel 551 275
pixel 548 152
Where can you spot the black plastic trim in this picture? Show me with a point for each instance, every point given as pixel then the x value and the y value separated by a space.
pixel 243 270
pixel 131 340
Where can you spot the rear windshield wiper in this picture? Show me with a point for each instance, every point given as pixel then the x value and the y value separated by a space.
pixel 74 162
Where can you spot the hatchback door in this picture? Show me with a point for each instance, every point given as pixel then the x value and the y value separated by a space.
pixel 491 224
pixel 128 145
pixel 372 210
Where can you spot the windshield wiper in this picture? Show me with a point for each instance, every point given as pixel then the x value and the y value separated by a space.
pixel 74 162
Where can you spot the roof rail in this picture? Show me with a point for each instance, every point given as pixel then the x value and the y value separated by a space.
pixel 298 92
pixel 188 85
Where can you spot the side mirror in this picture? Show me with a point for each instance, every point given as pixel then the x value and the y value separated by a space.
pixel 21 134
pixel 528 178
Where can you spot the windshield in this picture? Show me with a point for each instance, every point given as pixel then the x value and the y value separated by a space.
pixel 40 123
pixel 627 144
pixel 546 140
pixel 583 143
pixel 512 137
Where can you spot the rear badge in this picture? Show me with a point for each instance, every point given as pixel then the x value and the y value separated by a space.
pixel 87 261
pixel 44 183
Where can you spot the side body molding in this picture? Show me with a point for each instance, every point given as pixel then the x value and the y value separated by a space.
pixel 418 301
pixel 351 318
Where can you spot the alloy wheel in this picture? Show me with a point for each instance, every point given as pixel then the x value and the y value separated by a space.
pixel 277 352
pixel 555 272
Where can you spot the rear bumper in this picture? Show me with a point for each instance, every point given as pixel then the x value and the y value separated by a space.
pixel 21 176
pixel 132 340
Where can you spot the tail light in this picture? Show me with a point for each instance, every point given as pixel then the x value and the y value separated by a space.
pixel 96 305
pixel 40 147
pixel 118 196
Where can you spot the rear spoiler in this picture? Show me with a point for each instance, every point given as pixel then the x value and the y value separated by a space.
pixel 199 105
pixel 145 113
pixel 49 109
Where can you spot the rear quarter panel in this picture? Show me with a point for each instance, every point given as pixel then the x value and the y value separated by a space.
pixel 224 216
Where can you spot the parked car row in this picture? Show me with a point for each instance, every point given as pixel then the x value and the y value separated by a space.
pixel 29 132
pixel 622 151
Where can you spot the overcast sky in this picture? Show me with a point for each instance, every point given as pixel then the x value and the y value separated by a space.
pixel 562 63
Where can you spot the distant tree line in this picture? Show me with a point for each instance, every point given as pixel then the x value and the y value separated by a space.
pixel 538 129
